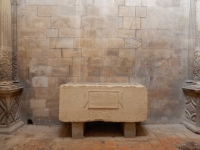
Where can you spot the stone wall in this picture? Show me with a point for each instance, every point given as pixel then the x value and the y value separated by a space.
pixel 120 41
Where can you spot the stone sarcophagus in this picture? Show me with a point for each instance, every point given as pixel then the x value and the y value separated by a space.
pixel 126 103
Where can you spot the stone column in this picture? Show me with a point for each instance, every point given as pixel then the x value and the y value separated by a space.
pixel 192 90
pixel 197 45
pixel 9 92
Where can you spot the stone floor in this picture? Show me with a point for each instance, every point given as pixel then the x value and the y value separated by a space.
pixel 101 136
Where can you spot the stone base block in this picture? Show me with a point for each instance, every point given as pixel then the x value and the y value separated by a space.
pixel 77 130
pixel 129 129
pixel 191 126
pixel 12 128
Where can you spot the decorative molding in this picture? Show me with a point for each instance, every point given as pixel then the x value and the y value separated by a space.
pixel 9 114
pixel 190 112
pixel 14 65
pixel 6 66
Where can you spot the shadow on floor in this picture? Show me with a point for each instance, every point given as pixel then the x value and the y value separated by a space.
pixel 100 129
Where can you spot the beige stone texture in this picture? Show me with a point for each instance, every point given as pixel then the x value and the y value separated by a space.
pixel 41 112
pixel 60 71
pixel 61 43
pixel 66 22
pixel 133 3
pixel 131 23
pixel 127 11
pixel 122 33
pixel 52 53
pixel 150 42
pixel 84 43
pixel 38 103
pixel 92 52
pixel 62 61
pixel 40 81
pixel 115 43
pixel 45 11
pixel 71 52
pixel 103 102
pixel 141 12
pixel 52 33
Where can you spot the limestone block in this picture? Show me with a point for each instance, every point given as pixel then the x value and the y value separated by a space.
pixel 60 71
pixel 111 61
pixel 91 52
pixel 84 43
pixel 94 61
pixel 47 11
pixel 126 53
pixel 94 22
pixel 61 43
pixel 78 61
pixel 106 33
pixel 39 71
pixel 71 52
pixel 35 43
pixel 111 52
pixel 62 61
pixel 149 3
pixel 66 22
pixel 104 2
pixel 38 103
pixel 41 112
pixel 113 23
pixel 78 71
pixel 22 32
pixel 169 23
pixel 41 61
pixel 141 12
pixel 51 2
pixel 52 53
pixel 102 102
pixel 40 81
pixel 119 2
pixel 129 129
pixel 149 23
pixel 117 79
pixel 133 43
pixel 52 32
pixel 77 130
pixel 38 22
pixel 94 71
pixel 115 43
pixel 34 53
pixel 101 43
pixel 133 2
pixel 71 11
pixel 126 33
pixel 98 11
pixel 65 32
pixel 27 11
pixel 127 11
pixel 61 2
pixel 131 23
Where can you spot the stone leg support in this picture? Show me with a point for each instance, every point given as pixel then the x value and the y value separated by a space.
pixel 129 129
pixel 77 130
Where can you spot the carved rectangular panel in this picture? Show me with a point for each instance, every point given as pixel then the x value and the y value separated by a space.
pixel 103 99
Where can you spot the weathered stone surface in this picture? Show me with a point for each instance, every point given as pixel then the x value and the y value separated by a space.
pixel 77 130
pixel 192 113
pixel 129 129
pixel 120 103
pixel 118 41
